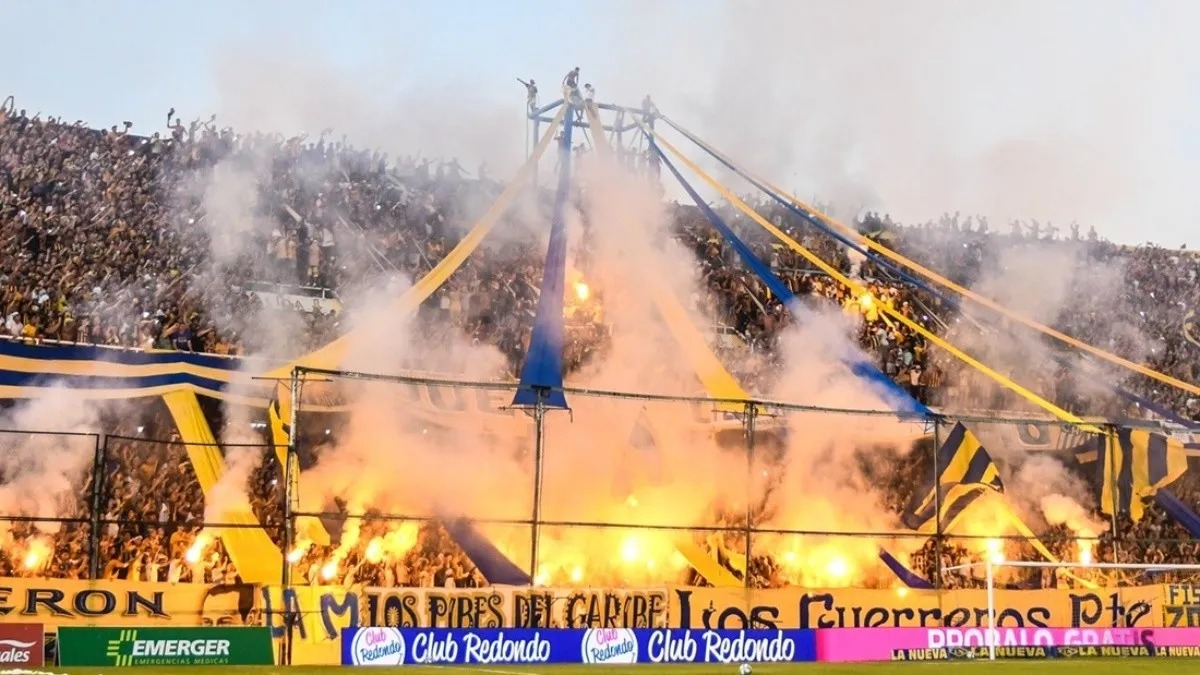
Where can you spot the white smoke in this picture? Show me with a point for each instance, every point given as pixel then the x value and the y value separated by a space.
pixel 44 466
pixel 1021 111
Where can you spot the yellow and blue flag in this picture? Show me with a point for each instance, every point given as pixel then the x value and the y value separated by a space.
pixel 1134 465
pixel 964 472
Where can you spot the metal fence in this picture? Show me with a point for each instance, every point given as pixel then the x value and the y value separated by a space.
pixel 626 489
pixel 618 489
pixel 91 506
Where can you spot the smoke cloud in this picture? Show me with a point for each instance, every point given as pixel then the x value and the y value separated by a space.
pixel 44 468
pixel 1020 111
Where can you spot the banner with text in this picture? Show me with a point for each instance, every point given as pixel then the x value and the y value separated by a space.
pixel 217 646
pixel 323 611
pixel 885 644
pixel 727 608
pixel 22 645
pixel 523 646
pixel 1042 653
pixel 1181 606
pixel 66 602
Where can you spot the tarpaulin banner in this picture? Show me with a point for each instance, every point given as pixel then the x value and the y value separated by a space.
pixel 444 646
pixel 68 602
pixel 726 608
pixel 326 610
pixel 840 645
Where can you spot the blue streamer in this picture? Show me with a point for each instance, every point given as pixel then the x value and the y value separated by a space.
pixel 492 564
pixel 907 577
pixel 952 303
pixel 902 401
pixel 542 372
pixel 1178 510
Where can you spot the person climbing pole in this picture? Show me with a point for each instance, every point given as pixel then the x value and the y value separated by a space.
pixel 530 93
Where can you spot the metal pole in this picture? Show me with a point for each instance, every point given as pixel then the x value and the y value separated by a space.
pixel 991 609
pixel 937 505
pixel 539 458
pixel 98 466
pixel 289 525
pixel 537 136
pixel 751 415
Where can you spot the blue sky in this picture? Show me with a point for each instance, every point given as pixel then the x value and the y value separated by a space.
pixel 113 60
pixel 1061 110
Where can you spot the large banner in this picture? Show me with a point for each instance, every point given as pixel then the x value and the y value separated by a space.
pixel 524 646
pixel 842 645
pixel 725 608
pixel 324 611
pixel 65 602
pixel 1181 606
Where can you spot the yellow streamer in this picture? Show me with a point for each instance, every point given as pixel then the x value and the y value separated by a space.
pixel 1032 539
pixel 704 564
pixel 332 355
pixel 253 553
pixel 962 290
pixel 859 290
pixel 717 380
pixel 255 556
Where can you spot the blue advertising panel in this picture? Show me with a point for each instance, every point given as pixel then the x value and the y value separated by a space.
pixel 521 646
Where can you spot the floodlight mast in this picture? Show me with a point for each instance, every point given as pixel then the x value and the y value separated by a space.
pixel 990 575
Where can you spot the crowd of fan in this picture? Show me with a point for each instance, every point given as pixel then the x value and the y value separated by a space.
pixel 147 242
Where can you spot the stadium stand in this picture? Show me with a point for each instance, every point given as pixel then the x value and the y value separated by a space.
pixel 110 239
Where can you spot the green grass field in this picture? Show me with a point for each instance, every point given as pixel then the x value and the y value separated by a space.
pixel 1140 666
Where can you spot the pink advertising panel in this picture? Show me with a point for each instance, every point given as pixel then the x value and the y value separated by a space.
pixel 878 644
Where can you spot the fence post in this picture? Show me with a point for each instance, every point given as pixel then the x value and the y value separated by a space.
pixel 98 466
pixel 751 417
pixel 539 457
pixel 290 481
pixel 937 501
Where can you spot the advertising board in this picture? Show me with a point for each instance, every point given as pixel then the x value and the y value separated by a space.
pixel 932 644
pixel 22 644
pixel 216 646
pixel 443 646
